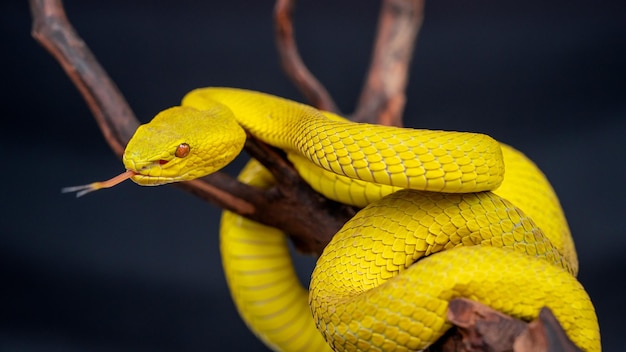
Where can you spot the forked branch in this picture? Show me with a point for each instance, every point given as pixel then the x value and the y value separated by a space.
pixel 293 206
pixel 383 98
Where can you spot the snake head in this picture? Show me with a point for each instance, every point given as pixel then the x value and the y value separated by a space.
pixel 182 144
pixel 179 144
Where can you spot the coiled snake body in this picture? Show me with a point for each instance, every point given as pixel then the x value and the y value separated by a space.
pixel 441 220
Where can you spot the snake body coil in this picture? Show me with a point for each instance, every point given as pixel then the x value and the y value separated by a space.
pixel 440 221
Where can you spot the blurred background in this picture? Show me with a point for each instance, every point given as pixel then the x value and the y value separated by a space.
pixel 138 269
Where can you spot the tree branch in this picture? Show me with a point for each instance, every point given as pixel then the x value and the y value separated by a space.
pixel 312 230
pixel 291 61
pixel 383 97
pixel 478 328
pixel 292 205
pixel 54 32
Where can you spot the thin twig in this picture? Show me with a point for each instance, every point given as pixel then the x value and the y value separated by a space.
pixel 292 63
pixel 383 97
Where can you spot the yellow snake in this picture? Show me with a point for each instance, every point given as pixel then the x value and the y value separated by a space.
pixel 440 221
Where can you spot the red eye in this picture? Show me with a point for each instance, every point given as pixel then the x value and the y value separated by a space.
pixel 182 150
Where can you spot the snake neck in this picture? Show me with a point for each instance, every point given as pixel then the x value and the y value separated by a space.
pixel 427 160
pixel 274 120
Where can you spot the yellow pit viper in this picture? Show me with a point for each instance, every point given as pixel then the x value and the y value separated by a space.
pixel 440 220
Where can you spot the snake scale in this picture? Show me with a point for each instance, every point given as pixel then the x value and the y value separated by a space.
pixel 440 219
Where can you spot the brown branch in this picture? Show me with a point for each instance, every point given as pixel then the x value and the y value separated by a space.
pixel 383 97
pixel 295 194
pixel 292 63
pixel 316 224
pixel 544 334
pixel 275 161
pixel 310 219
pixel 54 32
pixel 292 205
pixel 478 328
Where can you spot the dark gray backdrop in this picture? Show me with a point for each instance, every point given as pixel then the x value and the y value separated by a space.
pixel 138 269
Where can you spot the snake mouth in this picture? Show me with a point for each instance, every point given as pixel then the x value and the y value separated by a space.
pixel 150 173
pixel 156 173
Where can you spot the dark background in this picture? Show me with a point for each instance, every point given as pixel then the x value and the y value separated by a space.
pixel 138 269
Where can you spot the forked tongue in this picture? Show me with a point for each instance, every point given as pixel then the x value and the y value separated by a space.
pixel 84 189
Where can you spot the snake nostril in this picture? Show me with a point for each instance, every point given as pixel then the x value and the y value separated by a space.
pixel 163 162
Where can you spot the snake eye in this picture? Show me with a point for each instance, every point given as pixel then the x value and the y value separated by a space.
pixel 182 150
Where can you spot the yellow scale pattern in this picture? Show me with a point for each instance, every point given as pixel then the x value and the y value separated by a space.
pixel 417 159
pixel 528 188
pixel 538 199
pixel 407 312
pixel 358 297
pixel 387 237
pixel 436 161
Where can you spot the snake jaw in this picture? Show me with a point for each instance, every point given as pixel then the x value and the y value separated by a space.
pixel 151 172
pixel 162 170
